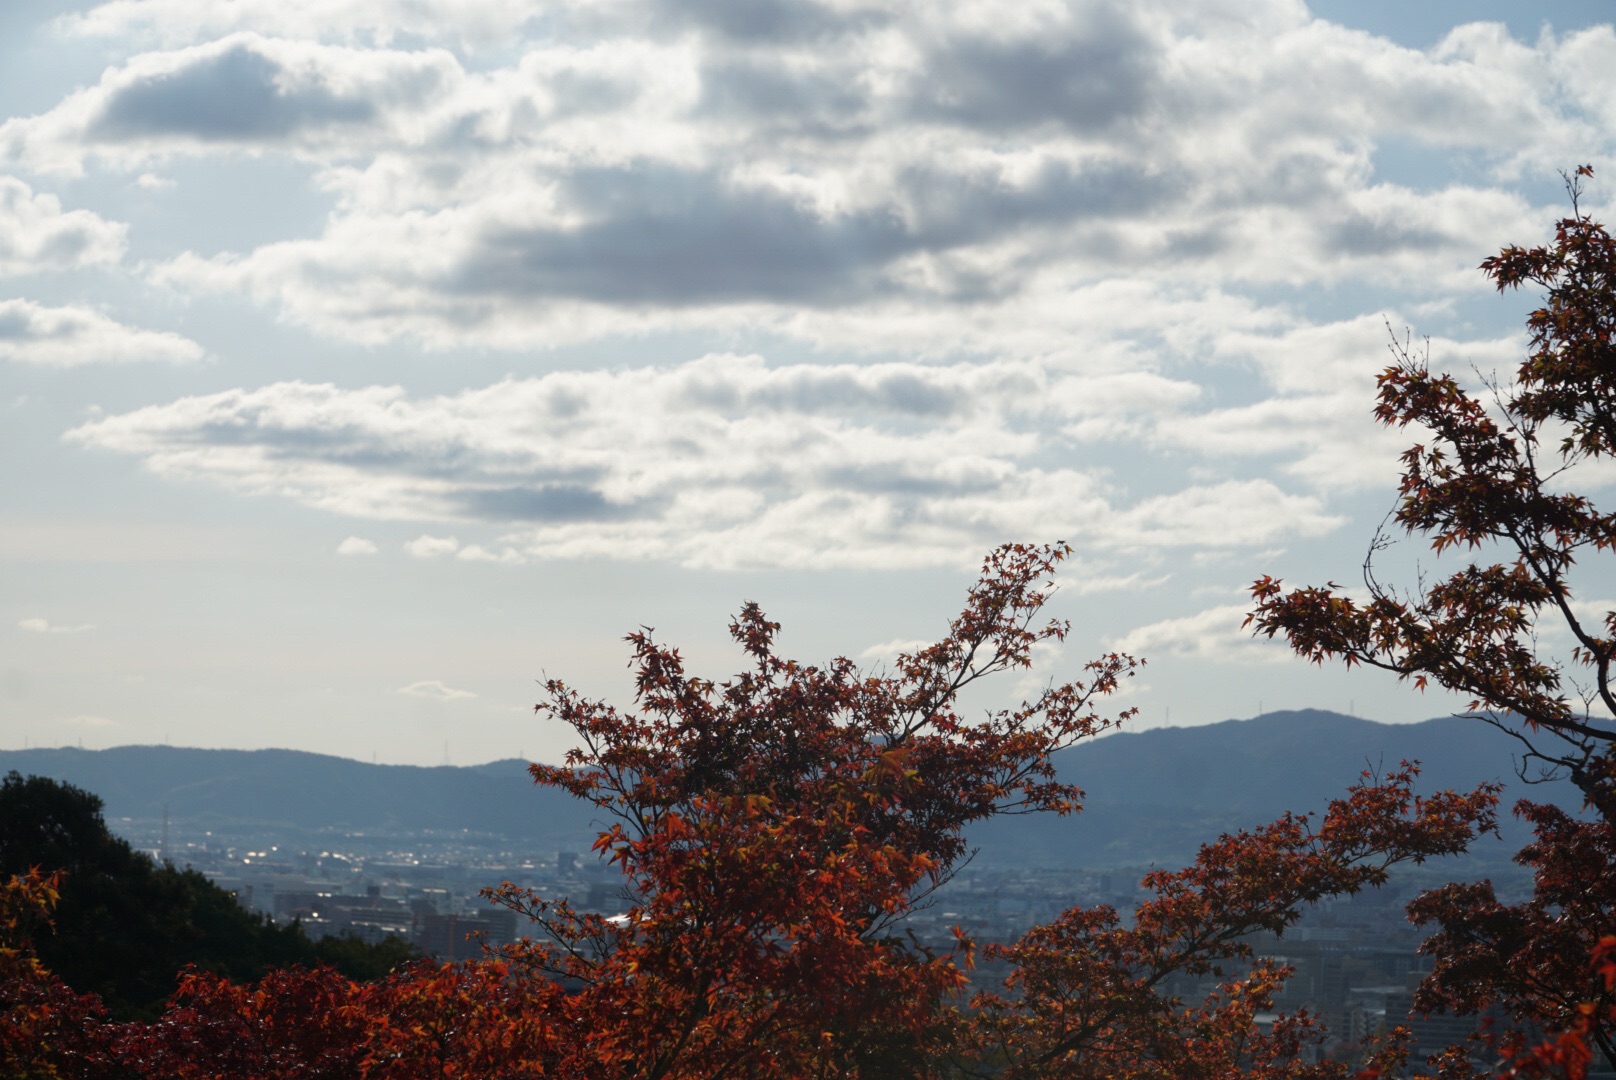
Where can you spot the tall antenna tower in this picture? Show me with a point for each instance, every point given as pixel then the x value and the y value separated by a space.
pixel 446 751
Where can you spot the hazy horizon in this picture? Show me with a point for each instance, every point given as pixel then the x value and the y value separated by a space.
pixel 1123 729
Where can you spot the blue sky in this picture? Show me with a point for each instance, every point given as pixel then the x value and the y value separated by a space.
pixel 362 362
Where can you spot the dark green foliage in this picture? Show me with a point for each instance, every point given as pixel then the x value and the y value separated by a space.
pixel 126 926
pixel 362 961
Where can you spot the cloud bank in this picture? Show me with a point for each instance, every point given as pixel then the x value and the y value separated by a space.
pixel 722 461
pixel 1079 225
pixel 65 337
pixel 1215 634
pixel 810 169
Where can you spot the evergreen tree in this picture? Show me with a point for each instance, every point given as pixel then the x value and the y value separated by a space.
pixel 125 926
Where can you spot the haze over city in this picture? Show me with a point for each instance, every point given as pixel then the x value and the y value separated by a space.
pixel 364 363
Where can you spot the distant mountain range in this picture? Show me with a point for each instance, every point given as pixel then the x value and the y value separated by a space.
pixel 1155 796
pixel 1152 796
pixel 238 790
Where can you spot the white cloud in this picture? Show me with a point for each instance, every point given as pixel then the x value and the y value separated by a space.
pixel 1215 634
pixel 63 337
pixel 1233 513
pixel 434 690
pixel 637 166
pixel 37 234
pixel 45 626
pixel 721 461
pixel 524 265
pixel 508 556
pixel 1058 209
pixel 887 651
pixel 241 92
pixel 1318 424
pixel 485 22
pixel 432 547
pixel 357 545
pixel 87 721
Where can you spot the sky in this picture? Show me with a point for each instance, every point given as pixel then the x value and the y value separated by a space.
pixel 364 363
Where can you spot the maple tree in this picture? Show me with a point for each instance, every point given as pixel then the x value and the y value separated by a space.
pixel 773 830
pixel 1493 477
pixel 472 1019
pixel 299 1023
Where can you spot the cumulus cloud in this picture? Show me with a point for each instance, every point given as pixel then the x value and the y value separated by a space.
pixel 1317 424
pixel 37 234
pixel 435 690
pixel 243 91
pixel 1213 634
pixel 357 545
pixel 32 333
pixel 642 167
pixel 505 555
pixel 599 253
pixel 1068 211
pixel 432 547
pixel 721 461
pixel 45 626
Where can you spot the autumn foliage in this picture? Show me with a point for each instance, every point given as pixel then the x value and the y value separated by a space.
pixel 1085 1001
pixel 1493 478
pixel 773 830
pixel 47 1031
pixel 771 833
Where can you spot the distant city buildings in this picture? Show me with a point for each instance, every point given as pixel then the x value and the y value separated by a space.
pixel 1355 960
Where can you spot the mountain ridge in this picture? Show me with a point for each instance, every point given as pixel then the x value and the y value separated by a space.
pixel 1150 796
